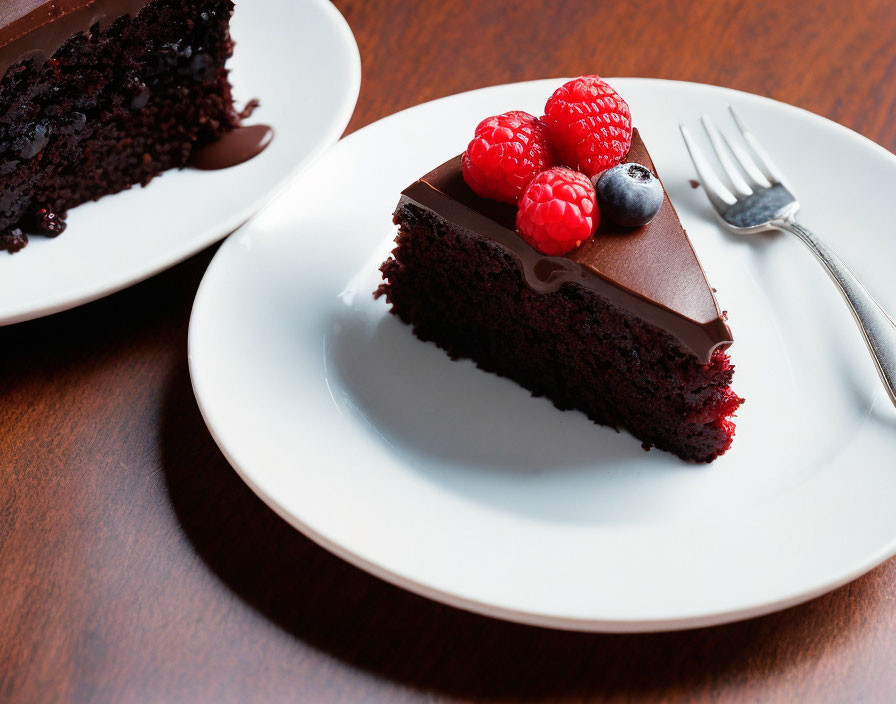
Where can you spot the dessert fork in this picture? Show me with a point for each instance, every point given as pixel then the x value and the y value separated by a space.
pixel 760 202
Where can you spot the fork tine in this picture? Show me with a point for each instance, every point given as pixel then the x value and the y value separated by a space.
pixel 770 170
pixel 718 194
pixel 734 175
pixel 755 177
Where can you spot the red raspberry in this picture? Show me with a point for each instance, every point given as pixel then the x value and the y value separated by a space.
pixel 590 125
pixel 558 211
pixel 505 154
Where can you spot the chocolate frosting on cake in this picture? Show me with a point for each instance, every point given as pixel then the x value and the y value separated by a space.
pixel 651 271
pixel 35 29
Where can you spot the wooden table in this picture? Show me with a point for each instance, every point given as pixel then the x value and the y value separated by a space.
pixel 135 566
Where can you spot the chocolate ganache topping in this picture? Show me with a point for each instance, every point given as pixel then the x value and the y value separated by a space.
pixel 35 29
pixel 651 271
pixel 233 148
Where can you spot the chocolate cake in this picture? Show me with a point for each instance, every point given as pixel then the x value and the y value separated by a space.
pixel 98 95
pixel 624 328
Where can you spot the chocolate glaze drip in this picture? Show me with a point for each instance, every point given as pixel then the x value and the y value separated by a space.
pixel 651 271
pixel 234 147
pixel 35 29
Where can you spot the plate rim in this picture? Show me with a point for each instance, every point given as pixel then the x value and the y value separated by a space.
pixel 403 581
pixel 59 302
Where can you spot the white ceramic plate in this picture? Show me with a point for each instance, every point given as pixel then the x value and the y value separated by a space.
pixel 305 69
pixel 458 485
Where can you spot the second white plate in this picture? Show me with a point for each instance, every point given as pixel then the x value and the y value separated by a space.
pixel 306 71
pixel 458 485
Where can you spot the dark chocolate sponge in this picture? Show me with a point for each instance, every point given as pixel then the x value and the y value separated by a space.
pixel 112 107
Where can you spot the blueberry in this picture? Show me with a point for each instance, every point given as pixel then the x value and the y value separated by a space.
pixel 629 195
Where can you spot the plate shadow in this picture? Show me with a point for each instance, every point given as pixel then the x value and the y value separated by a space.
pixel 485 437
pixel 370 625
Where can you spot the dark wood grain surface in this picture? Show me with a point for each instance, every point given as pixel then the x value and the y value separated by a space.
pixel 135 566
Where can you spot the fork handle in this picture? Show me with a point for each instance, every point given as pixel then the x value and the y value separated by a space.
pixel 877 328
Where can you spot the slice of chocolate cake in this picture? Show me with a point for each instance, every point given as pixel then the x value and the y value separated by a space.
pixel 98 95
pixel 624 328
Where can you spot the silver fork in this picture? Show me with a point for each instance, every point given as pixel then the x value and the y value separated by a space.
pixel 761 202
